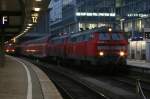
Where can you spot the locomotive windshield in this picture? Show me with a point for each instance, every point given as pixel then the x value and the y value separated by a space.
pixel 104 36
pixel 117 36
pixel 112 36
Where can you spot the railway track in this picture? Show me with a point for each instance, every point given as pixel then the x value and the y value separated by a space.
pixel 74 88
pixel 70 86
pixel 136 84
pixel 77 85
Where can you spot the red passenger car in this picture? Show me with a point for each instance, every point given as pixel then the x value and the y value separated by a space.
pixel 37 48
pixel 57 46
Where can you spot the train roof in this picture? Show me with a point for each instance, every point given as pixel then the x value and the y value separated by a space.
pixel 102 30
pixel 39 40
pixel 47 37
pixel 59 37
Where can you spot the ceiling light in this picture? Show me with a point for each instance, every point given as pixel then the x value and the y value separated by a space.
pixel 28 27
pixel 19 35
pixel 37 9
pixel 30 24
pixel 38 0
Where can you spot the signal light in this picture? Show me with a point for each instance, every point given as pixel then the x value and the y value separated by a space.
pixel 110 29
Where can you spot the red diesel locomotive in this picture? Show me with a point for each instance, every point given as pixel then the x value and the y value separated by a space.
pixel 97 47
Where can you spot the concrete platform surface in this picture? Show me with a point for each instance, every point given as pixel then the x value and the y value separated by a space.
pixel 139 63
pixel 22 80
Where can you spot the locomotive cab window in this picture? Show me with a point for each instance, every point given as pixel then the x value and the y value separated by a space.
pixel 80 38
pixel 116 36
pixel 87 37
pixel 104 36
pixel 73 39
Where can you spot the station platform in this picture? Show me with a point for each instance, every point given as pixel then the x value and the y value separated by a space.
pixel 138 63
pixel 20 79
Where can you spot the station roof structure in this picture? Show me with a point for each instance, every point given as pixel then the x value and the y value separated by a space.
pixel 18 16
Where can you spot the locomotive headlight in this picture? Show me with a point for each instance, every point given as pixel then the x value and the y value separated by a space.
pixel 101 53
pixel 122 53
pixel 13 50
pixel 7 50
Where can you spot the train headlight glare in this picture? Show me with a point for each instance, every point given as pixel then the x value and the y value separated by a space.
pixel 122 53
pixel 110 29
pixel 101 53
pixel 7 50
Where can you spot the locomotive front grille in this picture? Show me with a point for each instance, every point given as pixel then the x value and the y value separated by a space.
pixel 111 48
pixel 112 51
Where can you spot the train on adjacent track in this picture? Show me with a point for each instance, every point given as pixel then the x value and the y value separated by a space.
pixel 100 47
pixel 10 48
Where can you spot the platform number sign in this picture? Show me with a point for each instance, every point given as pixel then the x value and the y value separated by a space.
pixel 147 35
pixel 34 17
pixel 4 20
